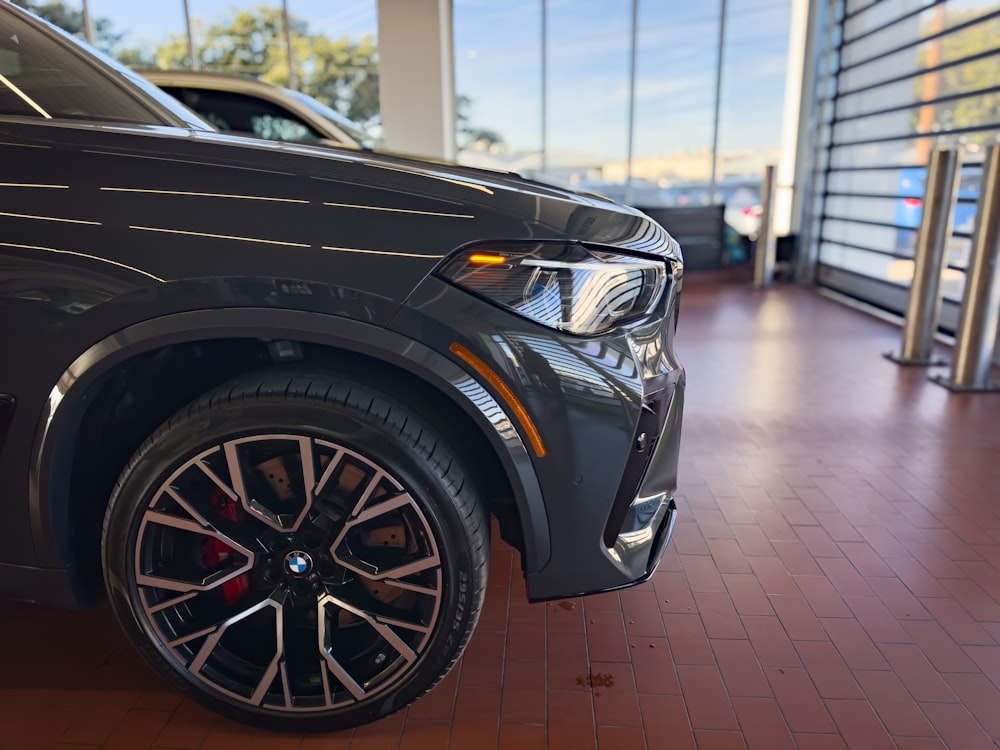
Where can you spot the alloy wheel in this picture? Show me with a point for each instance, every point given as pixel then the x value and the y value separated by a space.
pixel 288 572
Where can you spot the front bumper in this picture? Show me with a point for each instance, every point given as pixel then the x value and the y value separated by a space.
pixel 638 541
pixel 608 410
pixel 637 525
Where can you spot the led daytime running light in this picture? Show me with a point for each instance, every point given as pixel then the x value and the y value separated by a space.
pixel 567 286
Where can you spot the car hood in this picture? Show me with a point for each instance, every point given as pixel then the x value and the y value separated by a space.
pixel 572 214
pixel 174 204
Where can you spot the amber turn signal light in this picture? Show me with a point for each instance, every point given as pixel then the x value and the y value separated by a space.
pixel 505 393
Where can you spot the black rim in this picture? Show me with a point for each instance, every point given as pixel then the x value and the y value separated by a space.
pixel 288 572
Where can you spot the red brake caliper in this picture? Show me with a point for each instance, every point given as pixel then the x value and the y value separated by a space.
pixel 215 551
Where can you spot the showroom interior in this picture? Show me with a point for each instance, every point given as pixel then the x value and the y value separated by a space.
pixel 833 578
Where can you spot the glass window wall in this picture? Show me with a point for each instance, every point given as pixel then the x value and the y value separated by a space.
pixel 568 91
pixel 755 60
pixel 498 82
pixel 677 56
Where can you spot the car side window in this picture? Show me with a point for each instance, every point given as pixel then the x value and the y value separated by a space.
pixel 39 77
pixel 282 128
pixel 246 115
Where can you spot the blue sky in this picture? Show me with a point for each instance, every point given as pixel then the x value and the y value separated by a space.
pixel 497 52
pixel 153 21
pixel 498 62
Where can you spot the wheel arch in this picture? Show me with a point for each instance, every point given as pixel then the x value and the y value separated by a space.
pixel 446 388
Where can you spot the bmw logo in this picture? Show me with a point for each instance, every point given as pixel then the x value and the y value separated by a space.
pixel 298 563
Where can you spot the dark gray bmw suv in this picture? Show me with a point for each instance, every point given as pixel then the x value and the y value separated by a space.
pixel 269 397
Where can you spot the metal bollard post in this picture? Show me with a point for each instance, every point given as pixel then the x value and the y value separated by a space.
pixel 923 309
pixel 980 312
pixel 766 245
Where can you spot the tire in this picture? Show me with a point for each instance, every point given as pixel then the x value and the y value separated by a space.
pixel 283 608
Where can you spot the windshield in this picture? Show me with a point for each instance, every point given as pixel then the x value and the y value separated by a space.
pixel 46 73
pixel 354 131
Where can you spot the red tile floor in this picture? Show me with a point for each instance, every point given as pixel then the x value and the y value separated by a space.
pixel 833 582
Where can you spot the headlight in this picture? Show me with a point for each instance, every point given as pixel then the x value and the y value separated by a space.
pixel 565 286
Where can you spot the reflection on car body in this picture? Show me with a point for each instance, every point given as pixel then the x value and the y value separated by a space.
pixel 740 197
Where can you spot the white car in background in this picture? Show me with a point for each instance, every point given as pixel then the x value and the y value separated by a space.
pixel 743 207
pixel 244 105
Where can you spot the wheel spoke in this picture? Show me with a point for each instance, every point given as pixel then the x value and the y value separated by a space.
pixel 409 569
pixel 206 625
pixel 329 660
pixel 267 515
pixel 385 609
pixel 425 590
pixel 192 636
pixel 285 691
pixel 353 560
pixel 167 603
pixel 201 512
pixel 265 682
pixel 188 508
pixel 379 627
pixel 283 630
pixel 404 624
pixel 212 580
pixel 327 695
pixel 370 488
pixel 236 474
pixel 328 471
pixel 343 676
pixel 380 509
pixel 213 640
pixel 433 592
pixel 382 629
pixel 206 469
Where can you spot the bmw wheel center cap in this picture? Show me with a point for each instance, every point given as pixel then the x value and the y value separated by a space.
pixel 298 563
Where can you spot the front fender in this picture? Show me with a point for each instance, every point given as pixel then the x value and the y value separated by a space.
pixel 61 416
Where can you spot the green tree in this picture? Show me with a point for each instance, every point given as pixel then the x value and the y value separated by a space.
pixel 338 72
pixel 69 19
